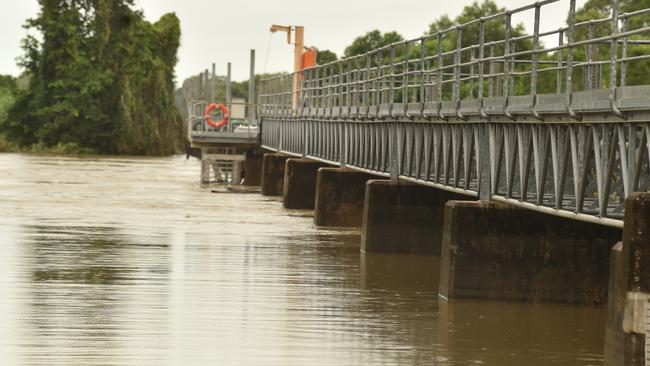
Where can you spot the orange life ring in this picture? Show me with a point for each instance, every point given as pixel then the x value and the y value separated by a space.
pixel 224 110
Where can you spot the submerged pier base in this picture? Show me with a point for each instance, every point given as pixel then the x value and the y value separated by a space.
pixel 272 183
pixel 501 252
pixel 253 167
pixel 403 217
pixel 628 306
pixel 340 194
pixel 300 183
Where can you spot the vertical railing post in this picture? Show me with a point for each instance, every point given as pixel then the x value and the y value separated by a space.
pixel 251 110
pixel 483 155
pixel 213 83
pixel 206 89
pixel 229 94
pixel 560 66
pixel 588 83
pixel 481 56
pixel 422 77
pixel 626 24
pixel 535 58
pixel 457 61
pixel 206 92
pixel 441 63
pixel 472 59
pixel 513 67
pixel 613 59
pixel 317 95
pixel 327 78
pixel 340 89
pixel 301 97
pixel 405 79
pixel 570 34
pixel 357 79
pixel 378 84
pixel 391 80
pixel 368 83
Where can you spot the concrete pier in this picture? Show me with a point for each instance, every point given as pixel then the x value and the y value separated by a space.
pixel 628 306
pixel 253 167
pixel 501 252
pixel 272 183
pixel 300 183
pixel 340 194
pixel 403 217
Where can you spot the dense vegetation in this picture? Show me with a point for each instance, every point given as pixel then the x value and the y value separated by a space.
pixel 98 77
pixel 102 79
pixel 8 93
pixel 637 71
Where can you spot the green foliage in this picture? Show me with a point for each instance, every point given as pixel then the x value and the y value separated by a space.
pixel 638 70
pixel 8 94
pixel 7 146
pixel 102 78
pixel 325 56
pixel 494 31
pixel 370 41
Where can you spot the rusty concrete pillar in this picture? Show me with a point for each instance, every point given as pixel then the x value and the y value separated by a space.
pixel 403 217
pixel 300 183
pixel 628 306
pixel 273 174
pixel 253 168
pixel 340 194
pixel 500 252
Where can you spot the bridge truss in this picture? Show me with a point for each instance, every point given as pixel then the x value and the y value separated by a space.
pixel 558 129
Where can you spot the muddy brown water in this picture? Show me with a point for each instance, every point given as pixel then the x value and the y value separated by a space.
pixel 128 261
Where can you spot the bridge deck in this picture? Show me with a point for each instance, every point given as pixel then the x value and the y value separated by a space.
pixel 559 128
pixel 224 139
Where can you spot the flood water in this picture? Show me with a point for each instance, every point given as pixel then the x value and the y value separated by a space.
pixel 128 261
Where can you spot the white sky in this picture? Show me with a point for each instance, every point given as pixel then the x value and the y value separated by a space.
pixel 223 31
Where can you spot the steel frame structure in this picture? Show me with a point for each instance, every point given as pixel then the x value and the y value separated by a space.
pixel 555 129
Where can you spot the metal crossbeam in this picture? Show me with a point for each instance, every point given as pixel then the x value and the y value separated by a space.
pixel 557 129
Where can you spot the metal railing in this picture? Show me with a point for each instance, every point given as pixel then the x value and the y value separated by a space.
pixel 483 109
pixel 200 131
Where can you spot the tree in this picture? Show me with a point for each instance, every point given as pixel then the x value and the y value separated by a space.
pixel 8 93
pixel 101 78
pixel 638 70
pixel 494 30
pixel 371 41
pixel 325 56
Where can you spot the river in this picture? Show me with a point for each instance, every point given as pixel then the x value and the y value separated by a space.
pixel 128 261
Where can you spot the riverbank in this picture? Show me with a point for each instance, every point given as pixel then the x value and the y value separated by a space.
pixel 71 148
pixel 7 146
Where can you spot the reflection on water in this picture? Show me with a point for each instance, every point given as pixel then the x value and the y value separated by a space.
pixel 120 261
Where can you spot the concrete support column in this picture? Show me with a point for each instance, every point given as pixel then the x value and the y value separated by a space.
pixel 340 194
pixel 205 167
pixel 253 168
pixel 300 183
pixel 628 306
pixel 403 217
pixel 501 252
pixel 273 174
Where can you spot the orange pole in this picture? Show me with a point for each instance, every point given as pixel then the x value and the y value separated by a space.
pixel 297 64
